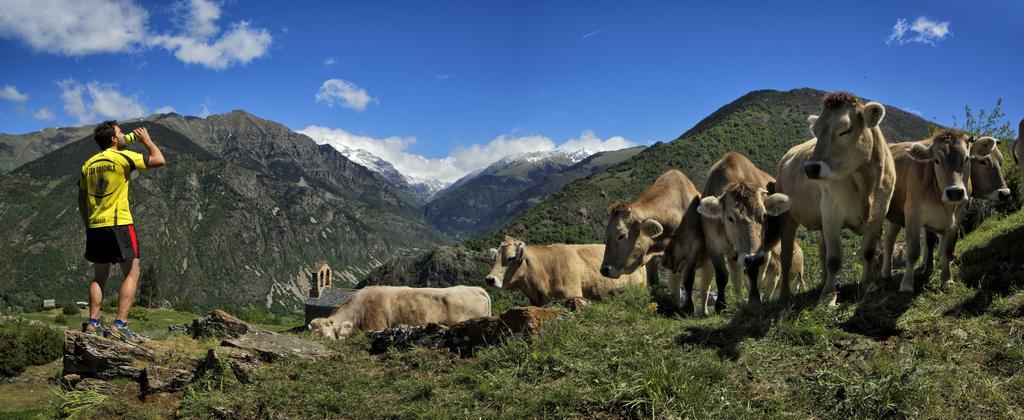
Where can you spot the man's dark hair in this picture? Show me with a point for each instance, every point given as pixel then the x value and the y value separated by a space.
pixel 105 133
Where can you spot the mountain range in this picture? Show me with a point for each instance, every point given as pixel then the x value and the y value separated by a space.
pixel 239 216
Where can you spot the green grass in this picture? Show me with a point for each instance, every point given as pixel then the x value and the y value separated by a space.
pixel 945 352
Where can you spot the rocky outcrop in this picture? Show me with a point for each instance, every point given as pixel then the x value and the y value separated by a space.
pixel 90 356
pixel 90 361
pixel 467 336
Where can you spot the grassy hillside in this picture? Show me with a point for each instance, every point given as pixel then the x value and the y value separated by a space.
pixel 940 354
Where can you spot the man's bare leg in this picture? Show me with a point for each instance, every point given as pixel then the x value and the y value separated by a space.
pixel 102 271
pixel 130 269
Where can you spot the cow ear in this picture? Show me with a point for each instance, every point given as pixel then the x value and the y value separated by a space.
pixel 520 251
pixel 652 228
pixel 776 204
pixel 811 120
pixel 770 187
pixel 873 114
pixel 984 146
pixel 710 207
pixel 493 252
pixel 919 152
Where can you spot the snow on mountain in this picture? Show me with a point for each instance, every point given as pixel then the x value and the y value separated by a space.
pixel 424 189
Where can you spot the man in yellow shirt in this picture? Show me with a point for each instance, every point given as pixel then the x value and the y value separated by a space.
pixel 110 233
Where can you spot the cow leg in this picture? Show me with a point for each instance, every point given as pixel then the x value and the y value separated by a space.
pixel 931 239
pixel 688 275
pixel 912 237
pixel 707 271
pixel 892 231
pixel 653 279
pixel 721 278
pixel 946 249
pixel 869 255
pixel 770 279
pixel 752 283
pixel 674 279
pixel 834 254
pixel 738 277
pixel 788 237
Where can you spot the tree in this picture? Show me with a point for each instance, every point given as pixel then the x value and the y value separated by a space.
pixel 149 286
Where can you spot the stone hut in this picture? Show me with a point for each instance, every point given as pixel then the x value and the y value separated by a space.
pixel 324 298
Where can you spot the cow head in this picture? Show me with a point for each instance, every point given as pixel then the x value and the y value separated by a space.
pixel 744 210
pixel 987 182
pixel 323 328
pixel 950 154
pixel 508 257
pixel 628 236
pixel 845 136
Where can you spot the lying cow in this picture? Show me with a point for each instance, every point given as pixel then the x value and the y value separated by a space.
pixel 933 187
pixel 843 178
pixel 554 272
pixel 638 233
pixel 378 308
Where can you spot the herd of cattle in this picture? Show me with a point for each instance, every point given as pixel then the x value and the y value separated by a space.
pixel 741 227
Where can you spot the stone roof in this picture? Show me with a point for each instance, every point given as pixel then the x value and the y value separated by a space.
pixel 331 297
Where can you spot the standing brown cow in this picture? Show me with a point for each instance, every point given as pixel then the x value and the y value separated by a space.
pixel 733 233
pixel 933 187
pixel 848 171
pixel 638 233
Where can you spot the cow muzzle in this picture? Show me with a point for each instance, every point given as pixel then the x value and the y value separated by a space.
pixel 493 281
pixel 752 261
pixel 1003 194
pixel 817 170
pixel 955 194
pixel 610 272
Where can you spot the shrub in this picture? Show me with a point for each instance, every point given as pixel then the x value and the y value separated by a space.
pixel 60 319
pixel 70 308
pixel 139 314
pixel 182 306
pixel 23 344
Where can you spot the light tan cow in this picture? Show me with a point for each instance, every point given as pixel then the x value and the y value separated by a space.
pixel 743 212
pixel 638 233
pixel 987 183
pixel 377 308
pixel 554 272
pixel 1018 150
pixel 933 188
pixel 736 176
pixel 843 178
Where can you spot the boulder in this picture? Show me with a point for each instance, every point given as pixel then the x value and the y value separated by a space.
pixel 241 363
pixel 220 324
pixel 572 304
pixel 467 336
pixel 90 356
pixel 96 385
pixel 266 345
pixel 160 379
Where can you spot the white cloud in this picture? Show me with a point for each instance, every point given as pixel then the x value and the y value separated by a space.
pixel 204 111
pixel 590 142
pixel 347 94
pixel 96 100
pixel 75 28
pixel 11 93
pixel 330 61
pixel 84 27
pixel 923 31
pixel 43 114
pixel 239 45
pixel 199 16
pixel 460 161
pixel 166 109
pixel 445 76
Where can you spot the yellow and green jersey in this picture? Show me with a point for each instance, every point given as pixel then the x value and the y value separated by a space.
pixel 105 179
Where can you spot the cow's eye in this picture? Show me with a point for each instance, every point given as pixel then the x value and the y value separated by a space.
pixel 983 162
pixel 622 236
pixel 936 161
pixel 510 259
pixel 848 130
pixel 731 220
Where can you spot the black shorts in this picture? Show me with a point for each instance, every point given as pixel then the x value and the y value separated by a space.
pixel 111 244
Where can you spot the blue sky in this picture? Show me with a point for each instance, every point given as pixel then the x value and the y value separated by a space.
pixel 441 88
